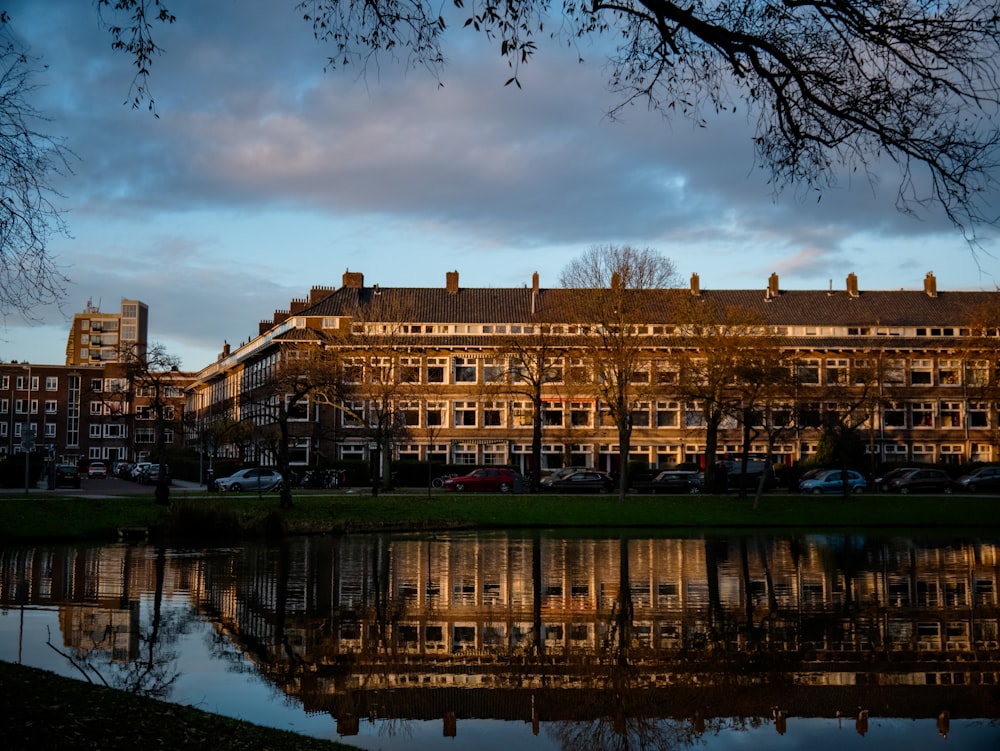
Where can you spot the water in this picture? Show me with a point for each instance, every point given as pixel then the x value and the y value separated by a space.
pixel 536 641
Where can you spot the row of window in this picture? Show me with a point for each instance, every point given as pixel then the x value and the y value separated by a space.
pixel 334 322
pixel 810 371
pixel 661 414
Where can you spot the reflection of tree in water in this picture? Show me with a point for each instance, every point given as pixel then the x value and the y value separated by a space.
pixel 626 714
pixel 151 668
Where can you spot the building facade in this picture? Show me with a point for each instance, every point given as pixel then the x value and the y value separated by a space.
pixel 96 338
pixel 70 414
pixel 435 366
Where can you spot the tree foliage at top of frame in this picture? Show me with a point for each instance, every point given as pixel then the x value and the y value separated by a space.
pixel 833 84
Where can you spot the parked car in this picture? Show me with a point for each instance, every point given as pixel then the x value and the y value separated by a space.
pixel 582 481
pixel 138 470
pixel 494 479
pixel 151 473
pixel 671 481
pixel 922 481
pixel 258 479
pixel 882 483
pixel 984 478
pixel 67 475
pixel 560 474
pixel 832 481
pixel 97 469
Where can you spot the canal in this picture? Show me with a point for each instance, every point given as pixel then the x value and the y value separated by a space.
pixel 548 641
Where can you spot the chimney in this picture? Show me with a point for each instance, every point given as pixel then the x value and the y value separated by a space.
pixel 930 284
pixel 534 282
pixel 451 281
pixel 772 286
pixel 354 279
pixel 225 350
pixel 695 285
pixel 318 293
pixel 280 316
pixel 616 281
pixel 264 326
pixel 852 284
pixel 296 305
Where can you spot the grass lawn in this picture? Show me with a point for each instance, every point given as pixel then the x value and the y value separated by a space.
pixel 74 518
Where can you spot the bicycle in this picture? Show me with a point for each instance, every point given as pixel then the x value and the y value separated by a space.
pixel 438 482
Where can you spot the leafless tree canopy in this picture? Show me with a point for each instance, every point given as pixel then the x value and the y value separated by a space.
pixel 832 83
pixel 29 158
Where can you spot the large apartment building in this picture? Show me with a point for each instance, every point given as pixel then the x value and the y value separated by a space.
pixel 443 353
pixel 98 337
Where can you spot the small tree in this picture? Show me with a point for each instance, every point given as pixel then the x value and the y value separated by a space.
pixel 608 304
pixel 150 373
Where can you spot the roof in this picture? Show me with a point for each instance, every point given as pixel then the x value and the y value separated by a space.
pixel 788 308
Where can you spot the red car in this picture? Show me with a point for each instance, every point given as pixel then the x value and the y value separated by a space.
pixel 494 479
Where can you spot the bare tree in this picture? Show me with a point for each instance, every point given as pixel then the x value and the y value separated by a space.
pixel 833 85
pixel 609 305
pixel 149 374
pixel 29 159
pixel 727 358
pixel 284 389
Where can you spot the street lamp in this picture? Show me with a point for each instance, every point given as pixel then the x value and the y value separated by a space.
pixel 27 434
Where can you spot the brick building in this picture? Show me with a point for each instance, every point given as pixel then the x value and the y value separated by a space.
pixel 933 399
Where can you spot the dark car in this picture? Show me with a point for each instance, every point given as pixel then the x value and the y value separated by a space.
pixel 559 474
pixel 984 478
pixel 583 481
pixel 673 481
pixel 492 479
pixel 922 481
pixel 67 475
pixel 882 483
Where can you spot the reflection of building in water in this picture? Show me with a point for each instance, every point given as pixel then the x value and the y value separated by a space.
pixel 506 621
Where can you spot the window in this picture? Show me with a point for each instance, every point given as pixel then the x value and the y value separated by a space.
pixel 894 372
pixel 895 415
pixel 492 415
pixel 353 414
pixel 580 414
pixel 4 406
pixel 435 369
pixel 552 414
pixel 951 415
pixel 554 370
pixel 693 416
pixel 640 415
pixel 979 415
pixel 921 372
pixel 465 414
pixel 949 373
pixel 95 430
pixel 836 372
pixel 114 430
pixel 409 370
pixel 807 371
pixel 578 371
pixel 51 383
pixel 978 373
pixel 494 370
pixel 667 375
pixel 464 370
pixel 21 406
pixel 409 412
pixel 51 406
pixel 434 415
pixel 922 414
pixel 144 435
pixel 97 385
pixel 354 370
pixel 5 383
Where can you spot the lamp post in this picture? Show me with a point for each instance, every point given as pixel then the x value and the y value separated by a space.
pixel 27 434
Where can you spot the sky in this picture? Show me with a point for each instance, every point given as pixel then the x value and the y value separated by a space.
pixel 264 174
